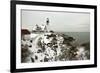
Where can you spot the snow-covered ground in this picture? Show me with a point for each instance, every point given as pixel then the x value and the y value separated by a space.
pixel 50 46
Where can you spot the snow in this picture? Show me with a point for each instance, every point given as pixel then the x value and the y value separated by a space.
pixel 51 53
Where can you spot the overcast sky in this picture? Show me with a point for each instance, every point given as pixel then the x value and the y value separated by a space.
pixel 59 21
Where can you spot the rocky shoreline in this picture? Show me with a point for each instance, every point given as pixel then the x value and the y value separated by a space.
pixel 51 46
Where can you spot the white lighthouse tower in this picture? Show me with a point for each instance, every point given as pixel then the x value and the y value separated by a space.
pixel 47 24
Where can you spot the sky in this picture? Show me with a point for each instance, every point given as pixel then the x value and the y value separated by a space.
pixel 59 21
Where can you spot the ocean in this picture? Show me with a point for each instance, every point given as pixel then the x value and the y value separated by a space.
pixel 80 37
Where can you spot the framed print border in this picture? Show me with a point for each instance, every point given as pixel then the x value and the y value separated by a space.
pixel 13 35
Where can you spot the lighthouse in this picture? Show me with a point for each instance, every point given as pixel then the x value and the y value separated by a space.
pixel 47 21
pixel 47 24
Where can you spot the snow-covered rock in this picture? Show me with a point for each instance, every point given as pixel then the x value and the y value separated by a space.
pixel 50 46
